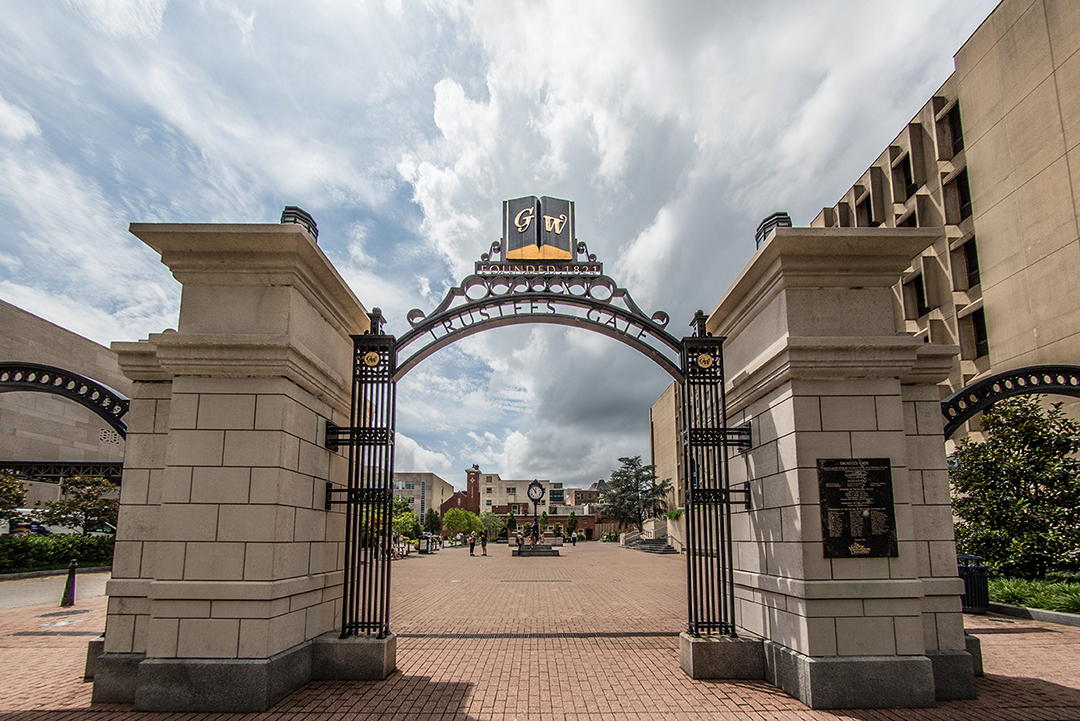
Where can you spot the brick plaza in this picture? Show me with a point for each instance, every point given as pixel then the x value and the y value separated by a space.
pixel 590 635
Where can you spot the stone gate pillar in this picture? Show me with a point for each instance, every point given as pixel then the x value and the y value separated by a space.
pixel 818 362
pixel 227 565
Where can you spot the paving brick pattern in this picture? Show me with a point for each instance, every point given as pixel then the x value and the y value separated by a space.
pixel 589 636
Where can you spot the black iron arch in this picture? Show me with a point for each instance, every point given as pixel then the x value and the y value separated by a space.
pixel 109 405
pixel 961 406
pixel 571 291
pixel 541 295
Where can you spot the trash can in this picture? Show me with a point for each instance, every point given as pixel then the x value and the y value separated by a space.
pixel 976 598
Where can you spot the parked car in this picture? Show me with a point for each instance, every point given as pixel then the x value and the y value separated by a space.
pixel 29 524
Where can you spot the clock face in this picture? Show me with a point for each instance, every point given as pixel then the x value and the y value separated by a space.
pixel 536 492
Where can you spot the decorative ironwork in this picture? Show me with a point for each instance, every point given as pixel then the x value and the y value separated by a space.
pixel 369 496
pixel 965 403
pixel 720 496
pixel 336 436
pixel 109 405
pixel 709 568
pixel 738 437
pixel 569 291
pixel 573 294
pixel 56 472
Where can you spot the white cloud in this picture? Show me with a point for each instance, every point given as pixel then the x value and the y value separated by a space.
pixel 402 126
pixel 16 123
pixel 140 18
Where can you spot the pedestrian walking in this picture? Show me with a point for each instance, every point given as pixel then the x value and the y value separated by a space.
pixel 472 543
pixel 573 538
pixel 483 543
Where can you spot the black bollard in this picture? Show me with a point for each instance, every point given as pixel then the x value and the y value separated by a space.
pixel 69 587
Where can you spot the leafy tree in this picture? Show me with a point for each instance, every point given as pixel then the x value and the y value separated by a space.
pixel 402 504
pixel 406 524
pixel 543 520
pixel 571 522
pixel 458 520
pixel 633 495
pixel 1016 495
pixel 83 504
pixel 432 521
pixel 492 523
pixel 511 522
pixel 12 497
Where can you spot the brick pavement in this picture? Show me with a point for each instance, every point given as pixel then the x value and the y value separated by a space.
pixel 589 636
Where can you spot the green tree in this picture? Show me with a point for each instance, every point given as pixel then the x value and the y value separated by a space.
pixel 12 497
pixel 406 524
pixel 1016 495
pixel 83 504
pixel 492 523
pixel 402 504
pixel 543 521
pixel 511 522
pixel 458 520
pixel 571 522
pixel 634 495
pixel 432 521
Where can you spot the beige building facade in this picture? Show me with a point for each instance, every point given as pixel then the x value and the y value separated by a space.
pixel 43 428
pixel 992 159
pixel 494 491
pixel 426 490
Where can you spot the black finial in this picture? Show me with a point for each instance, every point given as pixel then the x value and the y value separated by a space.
pixel 293 214
pixel 776 220
pixel 698 324
pixel 376 319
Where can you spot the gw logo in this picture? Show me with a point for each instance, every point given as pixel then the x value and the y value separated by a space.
pixel 525 239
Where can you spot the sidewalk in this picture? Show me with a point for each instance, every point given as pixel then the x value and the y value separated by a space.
pixel 592 635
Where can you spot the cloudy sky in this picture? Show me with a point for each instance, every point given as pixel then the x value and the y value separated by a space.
pixel 401 126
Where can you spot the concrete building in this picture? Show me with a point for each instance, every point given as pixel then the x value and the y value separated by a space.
pixel 425 489
pixel 991 158
pixel 41 434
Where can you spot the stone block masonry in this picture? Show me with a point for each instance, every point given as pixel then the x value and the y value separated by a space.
pixel 228 567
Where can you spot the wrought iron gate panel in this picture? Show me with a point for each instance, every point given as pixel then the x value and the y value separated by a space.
pixel 369 496
pixel 710 590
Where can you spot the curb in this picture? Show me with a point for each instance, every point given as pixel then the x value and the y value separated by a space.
pixel 51 572
pixel 1036 614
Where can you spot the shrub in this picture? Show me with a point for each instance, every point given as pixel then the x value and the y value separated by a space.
pixel 39 553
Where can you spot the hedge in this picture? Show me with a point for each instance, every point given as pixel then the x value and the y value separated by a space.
pixel 22 553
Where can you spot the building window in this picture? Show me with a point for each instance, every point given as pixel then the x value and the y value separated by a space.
pixel 971 260
pixel 487 491
pixel 489 501
pixel 511 491
pixel 974 342
pixel 956 132
pixel 963 194
pixel 903 178
pixel 957 199
pixel 915 298
pixel 404 485
pixel 978 323
pixel 556 496
pixel 911 220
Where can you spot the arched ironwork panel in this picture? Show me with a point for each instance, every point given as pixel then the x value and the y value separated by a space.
pixel 572 291
pixel 544 294
pixel 1050 379
pixel 109 405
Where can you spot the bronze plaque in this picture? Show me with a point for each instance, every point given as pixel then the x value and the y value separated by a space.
pixel 857 515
